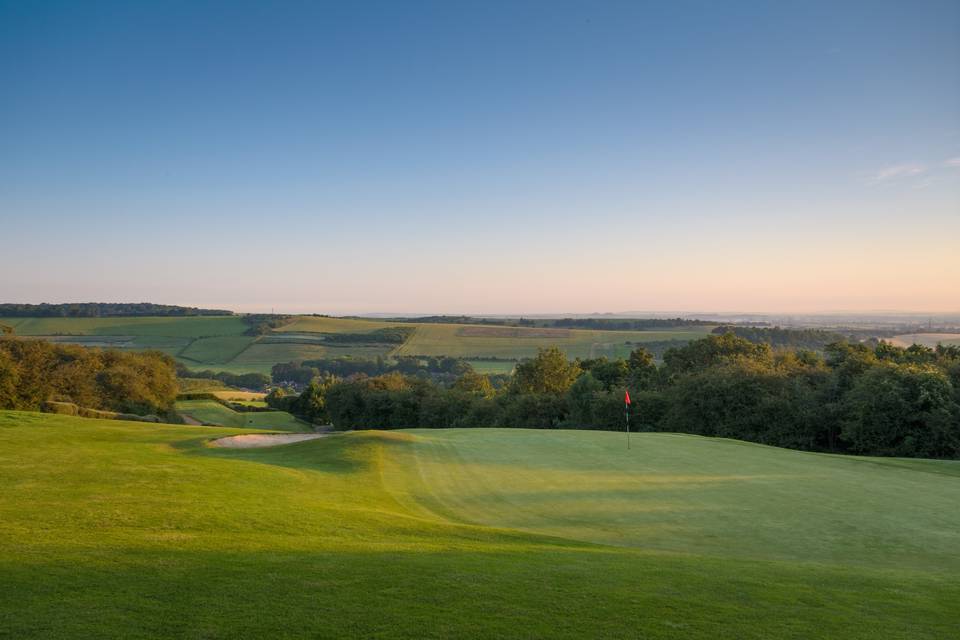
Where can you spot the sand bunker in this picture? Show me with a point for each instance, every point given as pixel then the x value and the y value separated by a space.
pixel 252 440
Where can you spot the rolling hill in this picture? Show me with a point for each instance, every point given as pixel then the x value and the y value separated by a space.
pixel 220 343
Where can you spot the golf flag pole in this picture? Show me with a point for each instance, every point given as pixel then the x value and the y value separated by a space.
pixel 626 413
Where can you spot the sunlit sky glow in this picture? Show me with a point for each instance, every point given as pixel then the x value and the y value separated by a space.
pixel 482 157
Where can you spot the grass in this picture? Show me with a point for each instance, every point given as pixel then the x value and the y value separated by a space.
pixel 212 412
pixel 216 350
pixel 449 339
pixel 239 396
pixel 182 327
pixel 125 530
pixel 493 366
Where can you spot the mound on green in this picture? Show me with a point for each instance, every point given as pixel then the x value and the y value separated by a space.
pixel 122 530
pixel 212 412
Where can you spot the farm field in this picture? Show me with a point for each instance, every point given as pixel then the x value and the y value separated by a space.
pixel 183 327
pixel 212 412
pixel 467 341
pixel 926 339
pixel 465 533
pixel 219 343
pixel 215 350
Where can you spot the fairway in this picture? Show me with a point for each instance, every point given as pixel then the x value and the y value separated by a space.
pixel 125 530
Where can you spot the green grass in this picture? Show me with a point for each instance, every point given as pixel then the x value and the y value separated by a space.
pixel 182 327
pixel 216 350
pixel 493 366
pixel 449 339
pixel 126 530
pixel 212 412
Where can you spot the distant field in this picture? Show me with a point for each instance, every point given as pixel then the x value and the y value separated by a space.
pixel 926 339
pixel 211 412
pixel 217 350
pixel 311 324
pixel 240 396
pixel 219 343
pixel 183 327
pixel 512 342
pixel 493 366
pixel 112 530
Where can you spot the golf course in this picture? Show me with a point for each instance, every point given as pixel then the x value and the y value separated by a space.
pixel 113 529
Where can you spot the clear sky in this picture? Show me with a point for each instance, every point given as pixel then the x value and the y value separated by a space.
pixel 471 157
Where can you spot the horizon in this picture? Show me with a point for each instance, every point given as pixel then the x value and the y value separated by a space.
pixel 538 157
pixel 628 314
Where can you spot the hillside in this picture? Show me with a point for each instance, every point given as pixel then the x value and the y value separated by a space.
pixel 459 533
pixel 223 344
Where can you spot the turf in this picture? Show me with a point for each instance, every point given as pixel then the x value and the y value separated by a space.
pixel 212 412
pixel 126 530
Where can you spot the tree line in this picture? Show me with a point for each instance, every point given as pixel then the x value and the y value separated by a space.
pixel 853 398
pixel 608 324
pixel 33 372
pixel 816 339
pixel 440 369
pixel 103 310
pixel 252 381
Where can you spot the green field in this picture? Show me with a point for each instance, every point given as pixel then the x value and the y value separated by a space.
pixel 212 412
pixel 126 530
pixel 183 327
pixel 219 343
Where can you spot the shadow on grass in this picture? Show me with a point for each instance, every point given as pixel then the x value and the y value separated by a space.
pixel 533 593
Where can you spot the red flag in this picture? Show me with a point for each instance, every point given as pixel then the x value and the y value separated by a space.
pixel 626 396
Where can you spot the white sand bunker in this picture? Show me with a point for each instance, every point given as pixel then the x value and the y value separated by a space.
pixel 252 440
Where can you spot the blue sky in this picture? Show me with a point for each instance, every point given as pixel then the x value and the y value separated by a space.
pixel 482 157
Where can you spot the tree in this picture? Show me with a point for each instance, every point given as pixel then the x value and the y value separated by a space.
pixel 582 397
pixel 549 372
pixel 903 410
pixel 642 370
pixel 611 374
pixel 475 384
pixel 713 350
pixel 9 378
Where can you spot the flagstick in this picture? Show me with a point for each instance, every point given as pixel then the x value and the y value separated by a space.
pixel 626 413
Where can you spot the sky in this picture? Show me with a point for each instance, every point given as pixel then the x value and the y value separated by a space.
pixel 482 157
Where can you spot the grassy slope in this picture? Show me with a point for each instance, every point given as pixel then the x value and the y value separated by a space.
pixel 123 530
pixel 211 412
